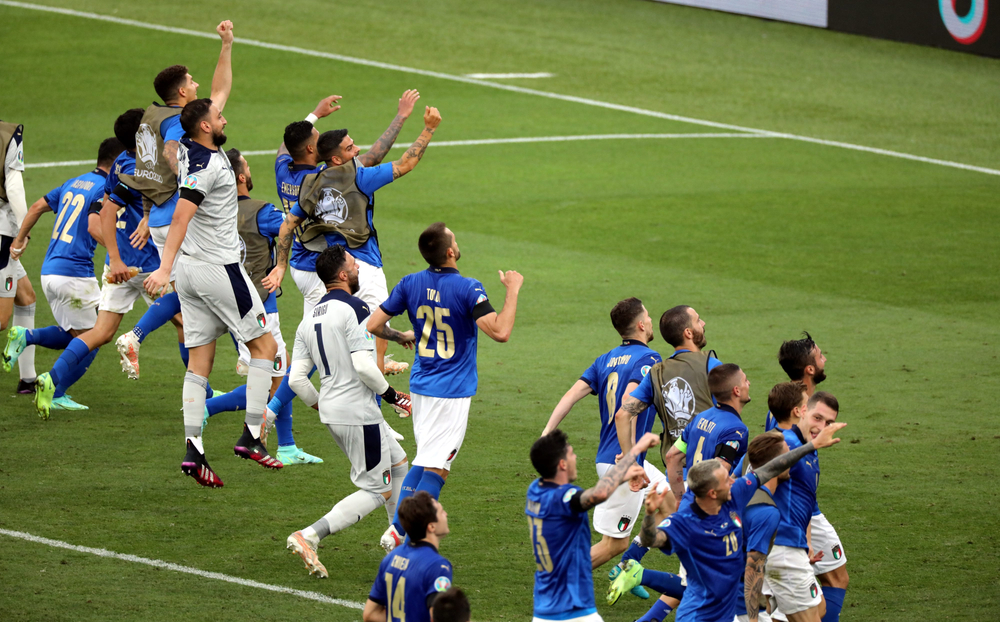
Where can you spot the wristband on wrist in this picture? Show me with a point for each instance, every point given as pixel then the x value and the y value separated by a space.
pixel 311 118
pixel 389 395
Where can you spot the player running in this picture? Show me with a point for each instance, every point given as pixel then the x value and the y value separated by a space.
pixel 611 377
pixel 445 309
pixel 155 177
pixel 335 340
pixel 68 279
pixel 214 289
pixel 411 576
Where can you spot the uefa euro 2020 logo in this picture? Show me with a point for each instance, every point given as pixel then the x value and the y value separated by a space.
pixel 968 28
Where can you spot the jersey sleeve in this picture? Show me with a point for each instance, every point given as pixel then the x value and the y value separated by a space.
pixel 377 593
pixel 765 523
pixel 269 221
pixel 281 162
pixel 371 179
pixel 641 369
pixel 356 331
pixel 15 154
pixel 52 198
pixel 676 534
pixel 478 301
pixel 644 392
pixel 395 304
pixel 301 349
pixel 568 503
pixel 743 489
pixel 439 580
pixel 200 179
pixel 297 211
pixel 713 363
pixel 592 378
pixel 732 445
pixel 170 129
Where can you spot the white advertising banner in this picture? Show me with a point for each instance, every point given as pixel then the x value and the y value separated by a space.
pixel 808 12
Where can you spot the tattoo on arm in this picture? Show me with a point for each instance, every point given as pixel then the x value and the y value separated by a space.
pixel 415 152
pixel 284 243
pixel 170 152
pixel 377 153
pixel 650 536
pixel 607 484
pixel 754 581
pixel 634 406
pixel 780 464
pixel 390 334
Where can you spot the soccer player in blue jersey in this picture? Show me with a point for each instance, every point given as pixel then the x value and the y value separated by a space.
pixel 155 176
pixel 803 361
pixel 411 576
pixel 706 530
pixel 447 310
pixel 557 518
pixel 68 279
pixel 791 579
pixel 611 377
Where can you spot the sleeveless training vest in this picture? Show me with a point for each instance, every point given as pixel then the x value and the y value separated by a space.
pixel 153 177
pixel 334 204
pixel 681 385
pixel 759 498
pixel 258 258
pixel 7 132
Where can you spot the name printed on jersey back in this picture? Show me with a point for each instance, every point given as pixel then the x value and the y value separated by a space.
pixel 620 360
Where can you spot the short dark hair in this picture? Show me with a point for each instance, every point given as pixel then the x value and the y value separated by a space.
pixel 296 136
pixel 765 448
pixel 415 513
pixel 825 398
pixel 127 125
pixel 434 244
pixel 451 606
pixel 109 150
pixel 624 315
pixel 722 379
pixel 330 262
pixel 168 81
pixel 673 322
pixel 547 451
pixel 234 156
pixel 795 355
pixel 329 143
pixel 784 397
pixel 193 114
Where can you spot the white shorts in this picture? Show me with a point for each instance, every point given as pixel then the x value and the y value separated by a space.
pixel 217 298
pixel 73 300
pixel 790 582
pixel 590 617
pixel 119 297
pixel 616 517
pixel 280 359
pixel 761 617
pixel 10 275
pixel 372 451
pixel 159 237
pixel 824 538
pixel 439 425
pixel 371 280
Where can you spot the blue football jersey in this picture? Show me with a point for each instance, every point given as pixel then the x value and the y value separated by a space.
pixel 129 203
pixel 443 307
pixel 288 177
pixel 269 221
pixel 716 432
pixel 759 524
pixel 796 497
pixel 771 424
pixel 711 549
pixel 408 580
pixel 607 378
pixel 71 249
pixel 560 536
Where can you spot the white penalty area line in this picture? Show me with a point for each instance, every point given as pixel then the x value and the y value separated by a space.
pixel 499 86
pixel 508 76
pixel 156 563
pixel 481 141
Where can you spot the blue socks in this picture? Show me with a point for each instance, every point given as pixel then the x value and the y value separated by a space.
pixel 410 483
pixel 431 482
pixel 658 612
pixel 234 400
pixel 635 552
pixel 283 426
pixel 663 582
pixel 158 314
pixel 75 352
pixel 67 380
pixel 834 603
pixel 51 337
pixel 184 355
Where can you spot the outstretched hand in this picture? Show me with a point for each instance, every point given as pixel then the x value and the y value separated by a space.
pixel 273 279
pixel 511 279
pixel 225 30
pixel 326 106
pixel 407 101
pixel 660 502
pixel 432 118
pixel 825 438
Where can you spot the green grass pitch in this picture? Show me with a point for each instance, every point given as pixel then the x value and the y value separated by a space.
pixel 891 264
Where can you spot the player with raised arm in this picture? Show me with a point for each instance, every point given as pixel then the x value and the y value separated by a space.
pixel 560 533
pixel 411 576
pixel 17 297
pixel 447 310
pixel 68 279
pixel 155 177
pixel 706 530
pixel 611 377
pixel 214 289
pixel 334 340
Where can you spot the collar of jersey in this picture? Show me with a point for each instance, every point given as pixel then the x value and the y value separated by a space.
pixel 435 269
pixel 190 144
pixel 414 545
pixel 798 433
pixel 98 171
pixel 729 409
pixel 335 294
pixel 632 342
pixel 242 197
pixel 304 167
pixel 159 105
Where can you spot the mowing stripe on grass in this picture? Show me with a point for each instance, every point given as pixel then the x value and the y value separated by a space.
pixel 508 76
pixel 481 141
pixel 497 85
pixel 156 563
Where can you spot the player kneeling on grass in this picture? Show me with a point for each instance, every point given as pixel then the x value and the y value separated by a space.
pixel 410 578
pixel 335 340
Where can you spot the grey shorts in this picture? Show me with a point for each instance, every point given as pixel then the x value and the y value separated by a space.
pixel 215 299
pixel 11 273
pixel 372 451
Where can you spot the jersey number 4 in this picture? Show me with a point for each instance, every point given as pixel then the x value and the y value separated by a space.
pixel 394 597
pixel 78 202
pixel 445 337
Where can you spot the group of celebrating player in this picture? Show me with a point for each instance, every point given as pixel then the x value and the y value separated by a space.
pixel 741 515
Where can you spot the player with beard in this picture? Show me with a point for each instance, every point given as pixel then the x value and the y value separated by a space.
pixel 215 292
pixel 804 361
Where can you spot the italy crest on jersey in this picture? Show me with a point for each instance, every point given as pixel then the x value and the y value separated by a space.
pixel 736 519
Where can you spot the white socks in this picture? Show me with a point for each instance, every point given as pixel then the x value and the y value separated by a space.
pixel 194 405
pixel 25 317
pixel 348 511
pixel 258 387
pixel 398 474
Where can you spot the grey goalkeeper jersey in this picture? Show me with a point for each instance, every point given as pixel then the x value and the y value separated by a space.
pixel 334 330
pixel 212 235
pixel 13 161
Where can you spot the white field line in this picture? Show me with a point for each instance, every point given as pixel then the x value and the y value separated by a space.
pixel 497 85
pixel 508 76
pixel 156 563
pixel 481 141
